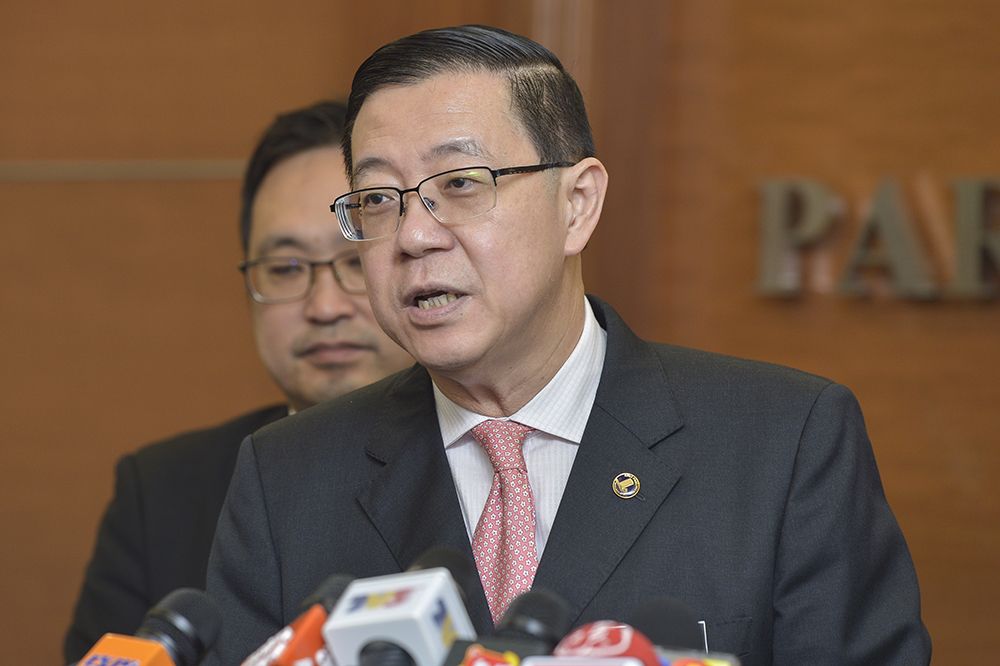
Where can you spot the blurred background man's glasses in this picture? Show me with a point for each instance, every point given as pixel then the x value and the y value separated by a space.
pixel 288 279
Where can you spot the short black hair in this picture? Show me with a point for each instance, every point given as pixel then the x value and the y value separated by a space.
pixel 315 126
pixel 544 96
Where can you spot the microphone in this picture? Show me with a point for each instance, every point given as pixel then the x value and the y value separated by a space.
pixel 538 615
pixel 406 619
pixel 532 625
pixel 679 640
pixel 301 642
pixel 178 631
pixel 608 640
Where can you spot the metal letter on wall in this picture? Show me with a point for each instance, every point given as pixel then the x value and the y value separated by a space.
pixel 977 204
pixel 795 213
pixel 887 241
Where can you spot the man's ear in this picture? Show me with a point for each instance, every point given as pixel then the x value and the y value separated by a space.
pixel 585 184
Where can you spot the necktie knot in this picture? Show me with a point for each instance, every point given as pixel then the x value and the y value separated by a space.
pixel 502 441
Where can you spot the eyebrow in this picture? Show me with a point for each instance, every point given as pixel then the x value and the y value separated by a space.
pixel 279 242
pixel 366 165
pixel 469 147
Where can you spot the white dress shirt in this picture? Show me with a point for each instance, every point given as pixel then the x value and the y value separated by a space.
pixel 558 413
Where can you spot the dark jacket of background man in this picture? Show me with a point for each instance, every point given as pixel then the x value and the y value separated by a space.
pixel 156 533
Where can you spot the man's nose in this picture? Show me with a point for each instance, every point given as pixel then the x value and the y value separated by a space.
pixel 327 301
pixel 419 231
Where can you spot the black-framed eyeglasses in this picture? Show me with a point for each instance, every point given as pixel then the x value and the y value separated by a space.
pixel 287 279
pixel 451 196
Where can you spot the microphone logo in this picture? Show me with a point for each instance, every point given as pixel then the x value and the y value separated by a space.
pixel 105 660
pixel 378 600
pixel 598 639
pixel 444 623
pixel 477 655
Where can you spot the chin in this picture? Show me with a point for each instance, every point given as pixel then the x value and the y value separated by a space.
pixel 328 390
pixel 450 346
pixel 447 360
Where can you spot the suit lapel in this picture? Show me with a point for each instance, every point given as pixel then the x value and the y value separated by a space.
pixel 633 412
pixel 411 500
pixel 413 504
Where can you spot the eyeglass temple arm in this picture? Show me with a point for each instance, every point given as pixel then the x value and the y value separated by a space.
pixel 530 169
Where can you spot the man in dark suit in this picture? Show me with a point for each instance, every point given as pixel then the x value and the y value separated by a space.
pixel 746 490
pixel 318 339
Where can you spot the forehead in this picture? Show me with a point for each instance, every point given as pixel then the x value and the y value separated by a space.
pixel 410 129
pixel 292 205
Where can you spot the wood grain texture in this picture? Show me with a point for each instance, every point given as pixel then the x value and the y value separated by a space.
pixel 694 107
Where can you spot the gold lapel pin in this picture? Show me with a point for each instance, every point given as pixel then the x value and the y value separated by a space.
pixel 626 485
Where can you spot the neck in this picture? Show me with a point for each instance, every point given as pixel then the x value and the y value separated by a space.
pixel 501 391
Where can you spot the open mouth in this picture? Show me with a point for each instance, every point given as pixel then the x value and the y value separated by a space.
pixel 434 300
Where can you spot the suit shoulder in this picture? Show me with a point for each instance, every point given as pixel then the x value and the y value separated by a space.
pixel 735 376
pixel 204 446
pixel 699 372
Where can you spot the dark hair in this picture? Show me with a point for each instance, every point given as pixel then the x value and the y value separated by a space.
pixel 544 96
pixel 291 133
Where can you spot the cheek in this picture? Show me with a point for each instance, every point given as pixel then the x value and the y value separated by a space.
pixel 378 301
pixel 367 316
pixel 273 327
pixel 382 313
pixel 518 249
pixel 365 312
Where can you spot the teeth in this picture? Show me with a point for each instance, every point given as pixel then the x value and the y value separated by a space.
pixel 436 301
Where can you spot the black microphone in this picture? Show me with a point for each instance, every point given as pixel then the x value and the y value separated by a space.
pixel 328 593
pixel 533 624
pixel 538 615
pixel 462 571
pixel 178 631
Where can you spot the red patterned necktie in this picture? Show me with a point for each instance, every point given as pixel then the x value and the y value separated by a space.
pixel 504 540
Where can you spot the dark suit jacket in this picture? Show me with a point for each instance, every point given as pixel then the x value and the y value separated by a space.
pixel 760 507
pixel 157 531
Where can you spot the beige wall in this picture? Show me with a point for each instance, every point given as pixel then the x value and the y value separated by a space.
pixel 123 317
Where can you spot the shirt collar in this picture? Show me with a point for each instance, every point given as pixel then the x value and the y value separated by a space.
pixel 558 409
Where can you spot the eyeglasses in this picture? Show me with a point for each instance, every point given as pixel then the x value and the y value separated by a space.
pixel 287 279
pixel 450 196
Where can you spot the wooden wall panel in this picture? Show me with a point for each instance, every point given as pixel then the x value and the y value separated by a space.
pixel 699 103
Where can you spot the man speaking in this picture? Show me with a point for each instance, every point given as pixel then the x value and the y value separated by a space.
pixel 538 434
pixel 317 338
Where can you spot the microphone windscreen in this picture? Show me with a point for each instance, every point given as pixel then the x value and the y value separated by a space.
pixel 328 593
pixel 537 615
pixel 668 623
pixel 186 622
pixel 457 564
